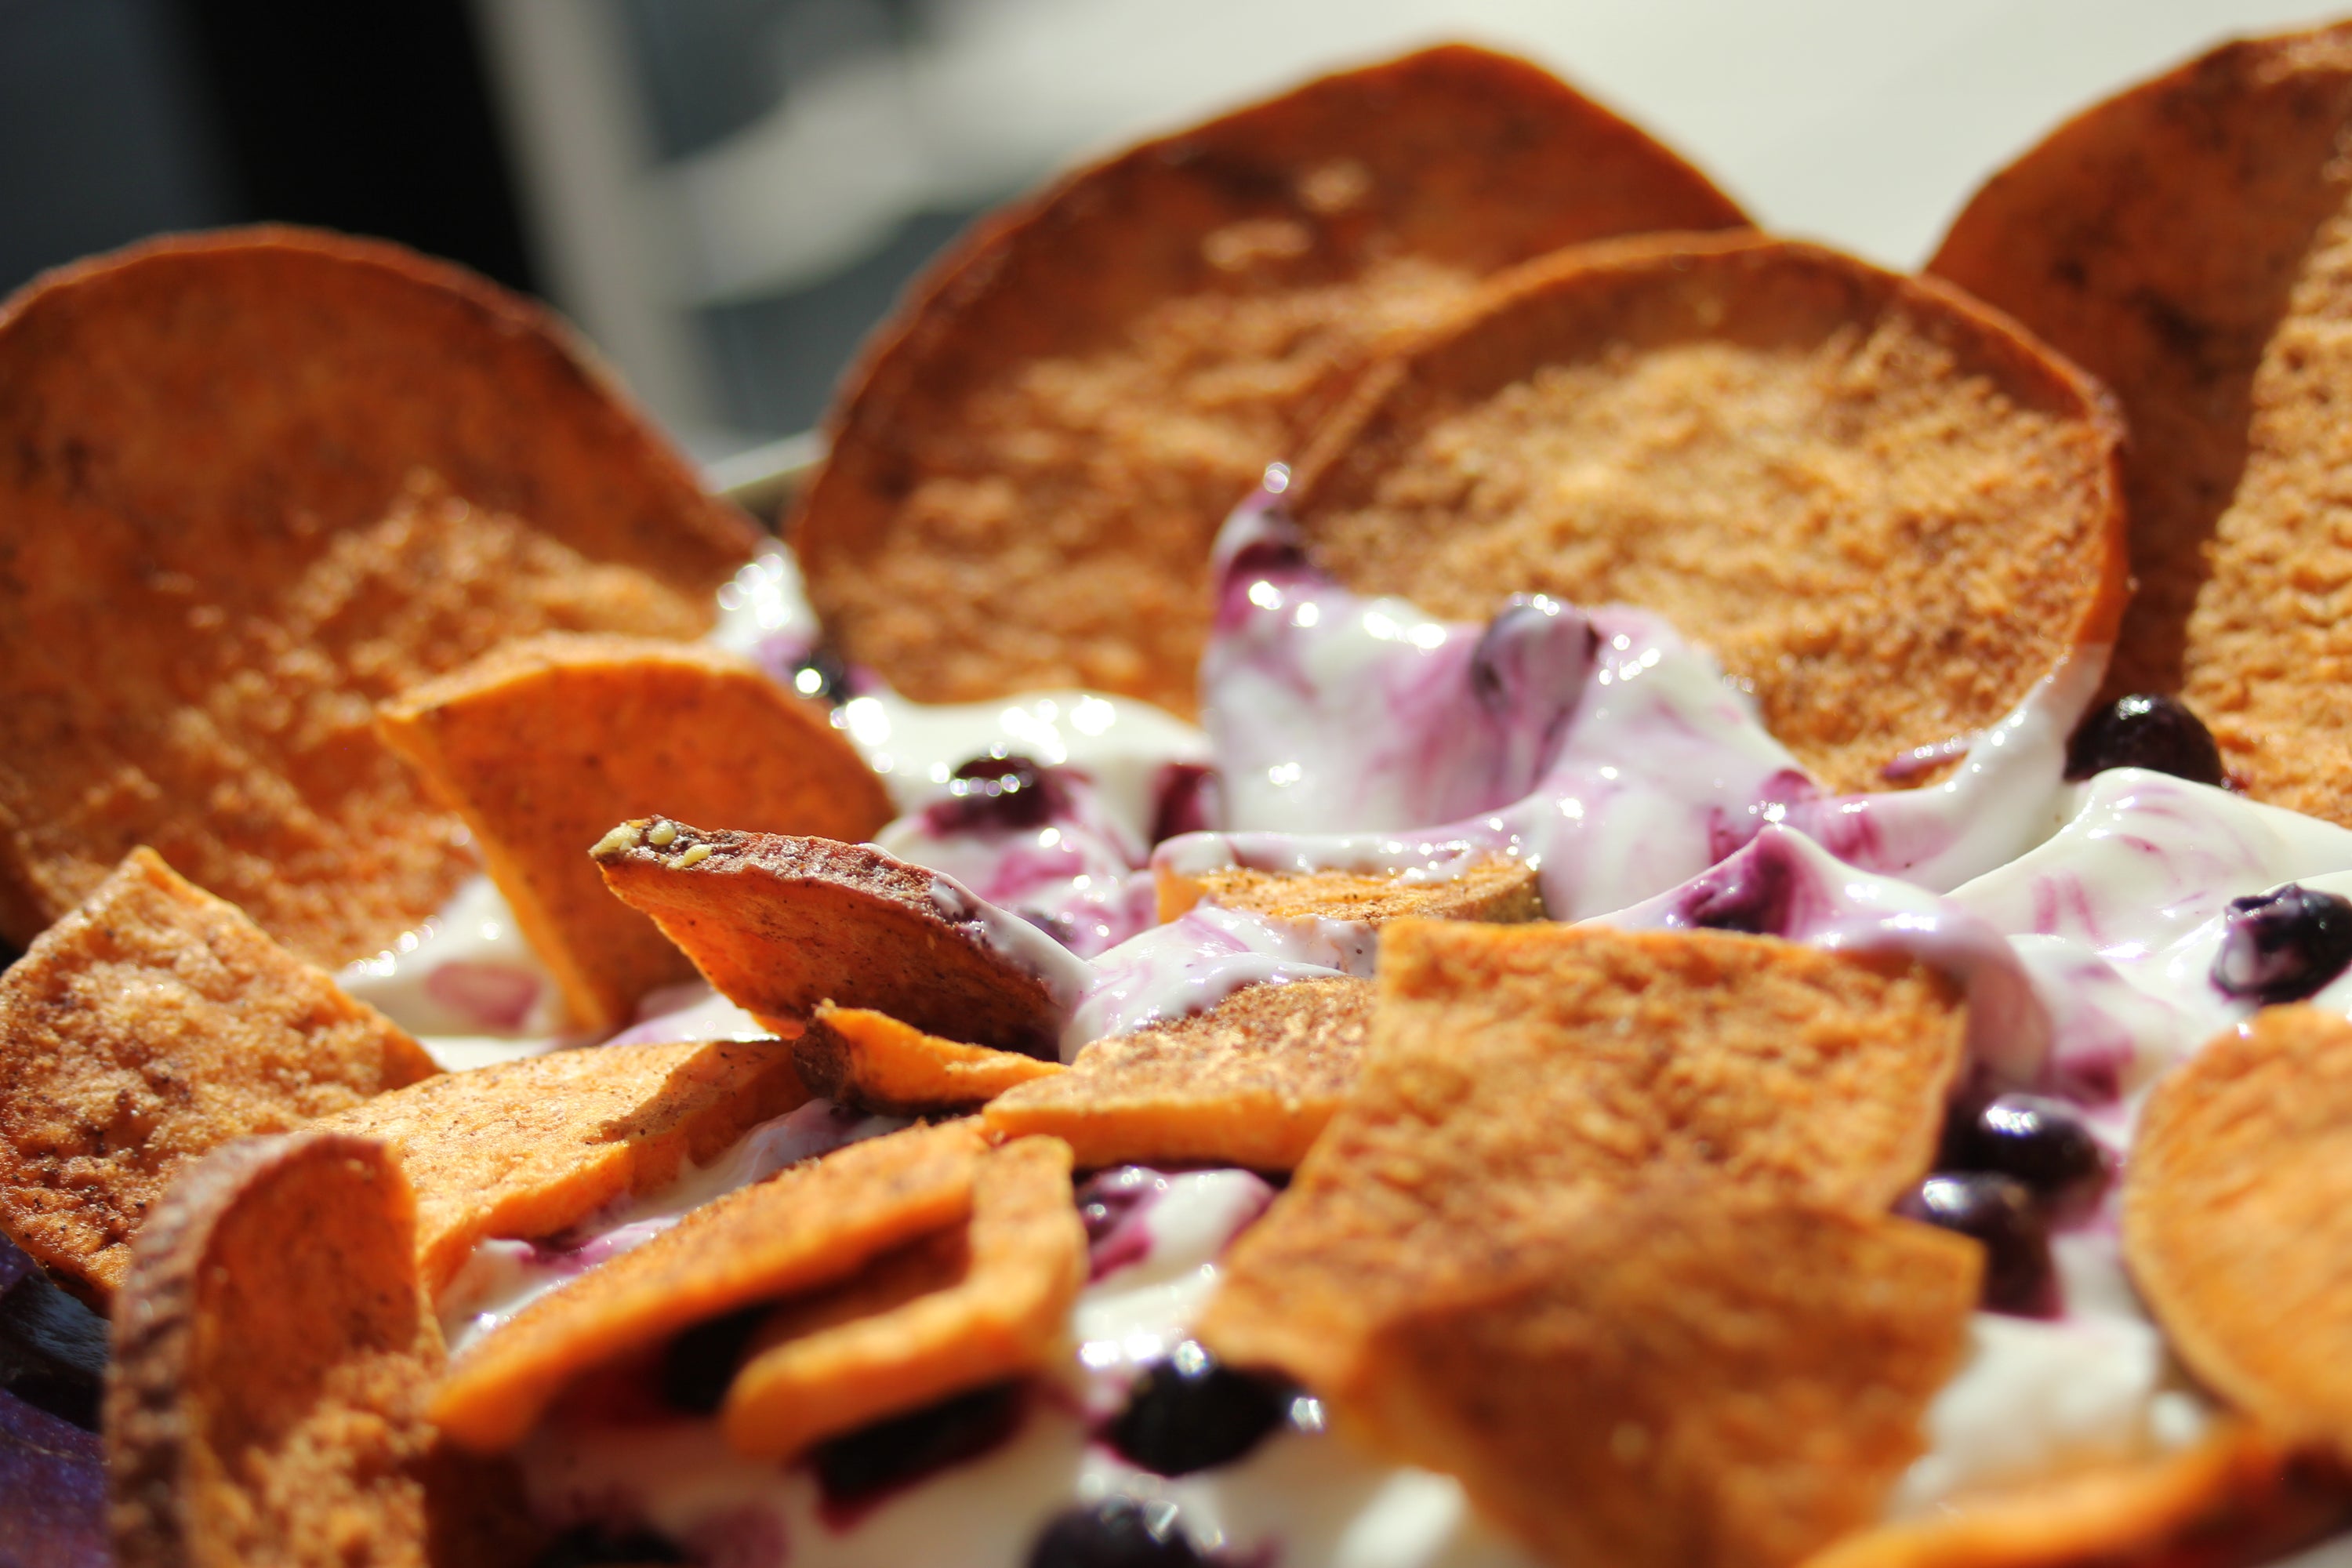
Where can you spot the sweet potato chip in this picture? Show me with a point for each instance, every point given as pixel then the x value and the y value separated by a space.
pixel 148 1027
pixel 853 1056
pixel 1028 467
pixel 810 1227
pixel 1496 890
pixel 527 1148
pixel 215 567
pixel 2238 1219
pixel 1251 1082
pixel 781 924
pixel 1888 511
pixel 542 745
pixel 938 1322
pixel 1525 1069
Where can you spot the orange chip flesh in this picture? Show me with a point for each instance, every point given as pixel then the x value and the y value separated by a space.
pixel 525 1148
pixel 1028 467
pixel 1252 1082
pixel 1496 890
pixel 2238 1219
pixel 780 924
pixel 542 745
pixel 1518 1070
pixel 813 1224
pixel 213 442
pixel 1888 511
pixel 2185 241
pixel 151 1024
pixel 852 1055
pixel 941 1320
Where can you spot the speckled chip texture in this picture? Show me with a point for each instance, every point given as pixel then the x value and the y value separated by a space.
pixel 2238 1219
pixel 288 474
pixel 1028 467
pixel 812 1226
pixel 780 924
pixel 528 1148
pixel 1251 1082
pixel 2190 241
pixel 1491 888
pixel 1886 511
pixel 856 1057
pixel 542 745
pixel 150 1025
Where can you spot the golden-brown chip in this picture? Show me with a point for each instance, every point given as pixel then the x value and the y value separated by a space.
pixel 781 924
pixel 1500 890
pixel 1888 511
pixel 216 568
pixel 938 1322
pixel 527 1148
pixel 2238 1219
pixel 1028 467
pixel 542 745
pixel 807 1228
pixel 1252 1082
pixel 1686 1377
pixel 1523 1069
pixel 271 1361
pixel 853 1056
pixel 150 1025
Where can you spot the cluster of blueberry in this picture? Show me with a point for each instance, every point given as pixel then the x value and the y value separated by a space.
pixel 2010 1169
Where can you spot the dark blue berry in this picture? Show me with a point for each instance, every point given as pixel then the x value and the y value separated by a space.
pixel 2158 734
pixel 2283 946
pixel 1107 1198
pixel 52 1350
pixel 2041 1142
pixel 1117 1532
pixel 1752 894
pixel 698 1364
pixel 2000 1212
pixel 1191 1411
pixel 1185 800
pixel 861 1465
pixel 588 1545
pixel 1500 676
pixel 1279 558
pixel 824 675
pixel 1006 792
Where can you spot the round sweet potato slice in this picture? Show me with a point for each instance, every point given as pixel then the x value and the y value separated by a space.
pixel 1029 463
pixel 1887 510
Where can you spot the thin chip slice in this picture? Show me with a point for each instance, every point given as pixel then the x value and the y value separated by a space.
pixel 271 1367
pixel 216 566
pixel 1029 466
pixel 1887 510
pixel 527 1148
pixel 1252 1082
pixel 781 924
pixel 1497 889
pixel 938 1322
pixel 1688 1378
pixel 811 1226
pixel 853 1056
pixel 542 745
pixel 151 1024
pixel 1518 1070
pixel 2238 1219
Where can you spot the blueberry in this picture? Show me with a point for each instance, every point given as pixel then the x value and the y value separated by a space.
pixel 1279 557
pixel 1107 1198
pixel 2041 1142
pixel 698 1364
pixel 1117 1532
pixel 1002 790
pixel 1513 657
pixel 1184 800
pixel 1754 895
pixel 823 674
pixel 859 1465
pixel 2283 946
pixel 1191 1411
pixel 52 1350
pixel 2000 1212
pixel 585 1545
pixel 2158 734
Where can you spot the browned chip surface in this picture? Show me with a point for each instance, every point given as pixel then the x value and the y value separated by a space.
pixel 1531 1070
pixel 150 1024
pixel 542 745
pixel 1885 508
pixel 2238 1219
pixel 853 1056
pixel 811 1226
pixel 1030 464
pixel 214 568
pixel 2190 242
pixel 1251 1082
pixel 781 924
pixel 527 1148
pixel 1677 1379
pixel 1493 889
pixel 938 1321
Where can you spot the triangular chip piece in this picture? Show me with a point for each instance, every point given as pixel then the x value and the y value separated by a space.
pixel 1888 511
pixel 216 567
pixel 151 1024
pixel 853 1056
pixel 1251 1082
pixel 542 745
pixel 1500 890
pixel 1028 467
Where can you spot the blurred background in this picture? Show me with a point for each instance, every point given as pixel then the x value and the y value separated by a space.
pixel 727 194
